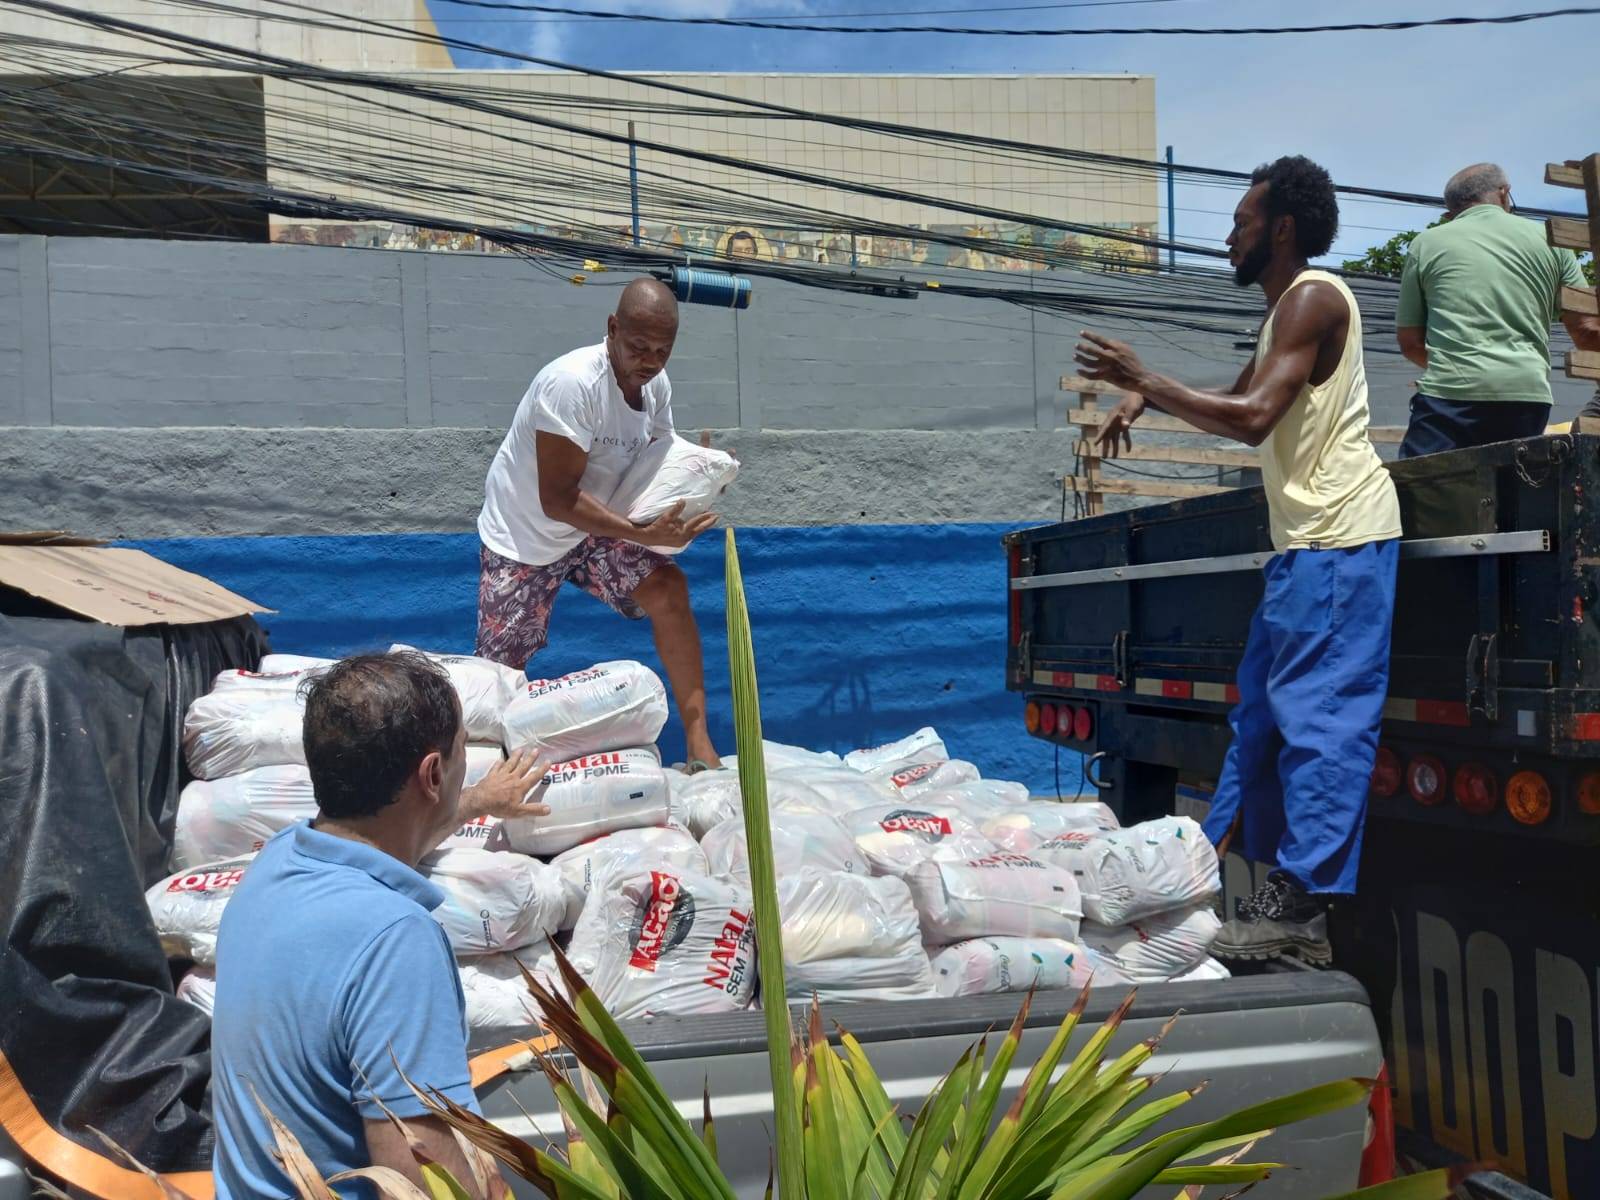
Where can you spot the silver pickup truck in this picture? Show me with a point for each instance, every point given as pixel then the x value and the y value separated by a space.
pixel 1250 1037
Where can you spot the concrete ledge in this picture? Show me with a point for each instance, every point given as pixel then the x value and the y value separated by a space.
pixel 204 481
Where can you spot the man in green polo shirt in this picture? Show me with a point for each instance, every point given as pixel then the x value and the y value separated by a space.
pixel 1477 299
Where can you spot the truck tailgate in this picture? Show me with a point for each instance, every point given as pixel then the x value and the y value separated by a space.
pixel 1252 1038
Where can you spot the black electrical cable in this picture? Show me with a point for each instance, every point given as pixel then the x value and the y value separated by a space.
pixel 990 31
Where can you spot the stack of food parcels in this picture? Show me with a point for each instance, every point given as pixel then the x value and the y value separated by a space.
pixel 902 873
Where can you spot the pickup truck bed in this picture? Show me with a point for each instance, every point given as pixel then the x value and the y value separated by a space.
pixel 1252 1037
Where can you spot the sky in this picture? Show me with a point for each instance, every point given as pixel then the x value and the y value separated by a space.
pixel 1399 110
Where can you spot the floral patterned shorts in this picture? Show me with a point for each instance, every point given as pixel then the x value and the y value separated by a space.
pixel 514 599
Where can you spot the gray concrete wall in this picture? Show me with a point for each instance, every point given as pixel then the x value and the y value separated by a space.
pixel 205 482
pixel 103 332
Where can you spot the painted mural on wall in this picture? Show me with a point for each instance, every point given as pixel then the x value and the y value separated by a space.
pixel 1010 248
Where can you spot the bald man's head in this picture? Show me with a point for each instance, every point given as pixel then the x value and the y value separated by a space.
pixel 1481 183
pixel 641 333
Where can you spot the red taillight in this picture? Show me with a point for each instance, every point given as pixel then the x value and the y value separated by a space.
pixel 1425 779
pixel 1047 719
pixel 1082 724
pixel 1385 774
pixel 1589 793
pixel 1476 789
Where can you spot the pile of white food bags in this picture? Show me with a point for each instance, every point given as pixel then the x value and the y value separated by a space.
pixel 609 706
pixel 983 966
pixel 199 988
pixel 499 900
pixel 486 689
pixel 247 720
pixel 1139 871
pixel 998 894
pixel 1155 948
pixel 595 794
pixel 673 943
pixel 801 839
pixel 1030 825
pixel 924 745
pixel 668 470
pixel 897 837
pixel 593 865
pixel 220 818
pixel 187 908
pixel 919 779
pixel 851 937
pixel 497 996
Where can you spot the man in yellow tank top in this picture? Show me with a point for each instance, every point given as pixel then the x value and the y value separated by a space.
pixel 1316 664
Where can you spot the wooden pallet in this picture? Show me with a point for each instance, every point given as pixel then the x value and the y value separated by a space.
pixel 1090 480
pixel 1574 234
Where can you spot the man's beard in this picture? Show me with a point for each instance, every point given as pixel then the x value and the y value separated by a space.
pixel 1253 263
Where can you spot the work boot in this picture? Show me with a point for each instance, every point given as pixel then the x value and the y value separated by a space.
pixel 1280 919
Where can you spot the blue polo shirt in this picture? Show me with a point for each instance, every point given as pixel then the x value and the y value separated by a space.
pixel 327 960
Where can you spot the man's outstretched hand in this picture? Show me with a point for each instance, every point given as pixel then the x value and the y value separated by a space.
pixel 671 530
pixel 1109 360
pixel 505 790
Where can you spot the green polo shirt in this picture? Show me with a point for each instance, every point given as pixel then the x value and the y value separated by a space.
pixel 1487 287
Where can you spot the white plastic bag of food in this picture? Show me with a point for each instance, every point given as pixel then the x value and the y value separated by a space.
pixel 1030 825
pixel 673 943
pixel 278 664
pixel 498 900
pixel 832 914
pixel 1148 868
pixel 704 801
pixel 223 818
pixel 1155 948
pixel 836 790
pixel 589 796
pixel 985 966
pixel 609 706
pixel 486 689
pixel 199 988
pixel 925 745
pixel 591 866
pixel 245 721
pixel 802 839
pixel 668 470
pixel 980 799
pixel 1207 970
pixel 187 907
pixel 497 996
pixel 998 894
pixel 851 937
pixel 920 779
pixel 896 837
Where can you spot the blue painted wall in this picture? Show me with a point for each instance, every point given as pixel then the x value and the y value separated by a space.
pixel 862 633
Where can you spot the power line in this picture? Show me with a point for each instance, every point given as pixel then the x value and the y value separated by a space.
pixel 990 31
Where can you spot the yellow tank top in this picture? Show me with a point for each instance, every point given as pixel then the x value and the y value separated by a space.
pixel 1326 486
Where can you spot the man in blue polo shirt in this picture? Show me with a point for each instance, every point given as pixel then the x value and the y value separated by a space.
pixel 332 977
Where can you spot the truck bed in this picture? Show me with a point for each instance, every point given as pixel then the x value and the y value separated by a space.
pixel 1252 1037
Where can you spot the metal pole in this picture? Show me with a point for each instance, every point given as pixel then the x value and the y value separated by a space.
pixel 1172 216
pixel 633 179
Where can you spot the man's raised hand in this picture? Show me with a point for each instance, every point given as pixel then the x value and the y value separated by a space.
pixel 670 529
pixel 1114 435
pixel 1109 360
pixel 505 789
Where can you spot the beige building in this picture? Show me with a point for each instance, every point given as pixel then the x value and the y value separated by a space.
pixel 747 164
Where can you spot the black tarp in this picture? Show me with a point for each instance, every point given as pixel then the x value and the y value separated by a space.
pixel 91 718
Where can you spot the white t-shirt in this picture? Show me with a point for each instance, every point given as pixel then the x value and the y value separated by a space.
pixel 575 397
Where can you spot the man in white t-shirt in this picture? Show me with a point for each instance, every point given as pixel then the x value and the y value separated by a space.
pixel 582 422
